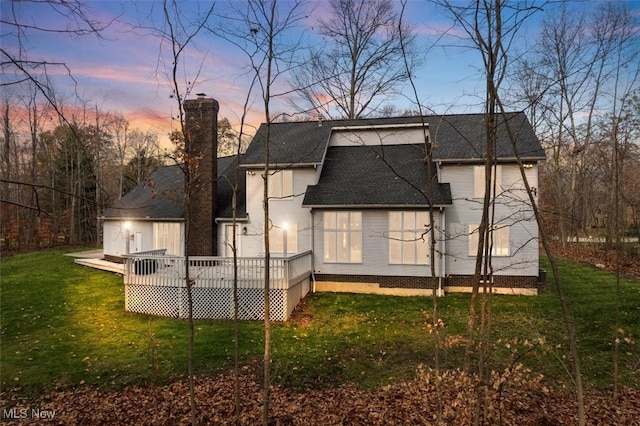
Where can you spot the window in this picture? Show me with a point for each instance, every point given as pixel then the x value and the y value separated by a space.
pixel 478 180
pixel 277 240
pixel 281 184
pixel 500 236
pixel 166 235
pixel 408 242
pixel 228 241
pixel 343 237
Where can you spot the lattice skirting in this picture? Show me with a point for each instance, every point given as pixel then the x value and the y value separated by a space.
pixel 213 303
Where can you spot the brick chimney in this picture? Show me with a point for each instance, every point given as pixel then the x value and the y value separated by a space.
pixel 201 128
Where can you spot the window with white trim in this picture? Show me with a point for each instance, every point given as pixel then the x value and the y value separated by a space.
pixel 342 237
pixel 166 235
pixel 228 240
pixel 500 235
pixel 408 238
pixel 479 183
pixel 281 184
pixel 277 239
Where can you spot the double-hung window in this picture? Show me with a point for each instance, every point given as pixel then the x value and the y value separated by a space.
pixel 342 237
pixel 479 181
pixel 281 184
pixel 284 239
pixel 408 238
pixel 500 235
pixel 166 235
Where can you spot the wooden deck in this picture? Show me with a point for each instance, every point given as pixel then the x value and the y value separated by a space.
pixel 156 284
pixel 95 259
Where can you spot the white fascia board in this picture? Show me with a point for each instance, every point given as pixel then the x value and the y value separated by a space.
pixel 230 219
pixel 144 219
pixel 374 206
pixel 479 160
pixel 380 126
pixel 280 166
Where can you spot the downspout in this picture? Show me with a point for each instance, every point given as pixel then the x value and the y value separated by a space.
pixel 443 263
pixel 313 252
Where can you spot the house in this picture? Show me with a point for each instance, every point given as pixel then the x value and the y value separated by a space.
pixel 356 194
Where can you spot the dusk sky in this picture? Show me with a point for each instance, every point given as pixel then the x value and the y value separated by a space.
pixel 122 71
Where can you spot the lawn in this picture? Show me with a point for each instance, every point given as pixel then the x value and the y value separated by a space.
pixel 64 325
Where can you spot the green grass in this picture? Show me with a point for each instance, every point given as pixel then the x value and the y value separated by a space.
pixel 65 325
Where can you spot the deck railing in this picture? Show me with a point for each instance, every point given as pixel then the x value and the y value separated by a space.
pixel 156 283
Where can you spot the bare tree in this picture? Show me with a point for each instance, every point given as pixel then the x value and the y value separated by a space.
pixel 366 54
pixel 432 236
pixel 17 63
pixel 234 247
pixel 22 120
pixel 176 33
pixel 120 129
pixel 260 28
pixel 582 64
pixel 491 27
pixel 22 68
pixel 618 133
pixel 586 69
pixel 144 157
pixel 230 142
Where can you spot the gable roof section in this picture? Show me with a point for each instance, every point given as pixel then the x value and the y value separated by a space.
pixel 292 143
pixel 371 176
pixel 462 137
pixel 160 197
pixel 456 138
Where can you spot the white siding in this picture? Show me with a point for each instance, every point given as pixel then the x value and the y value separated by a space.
pixel 281 211
pixel 512 208
pixel 115 236
pixel 359 137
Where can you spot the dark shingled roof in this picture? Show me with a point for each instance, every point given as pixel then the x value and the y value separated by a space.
pixel 291 143
pixel 463 137
pixel 456 137
pixel 160 197
pixel 393 175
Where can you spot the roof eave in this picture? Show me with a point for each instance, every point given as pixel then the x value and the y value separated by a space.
pixel 372 206
pixel 145 219
pixel 356 127
pixel 480 160
pixel 230 219
pixel 292 165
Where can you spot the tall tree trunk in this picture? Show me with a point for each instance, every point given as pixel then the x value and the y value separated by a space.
pixel 236 304
pixel 34 215
pixel 178 34
pixel 6 128
pixel 431 234
pixel 566 314
pixel 267 253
